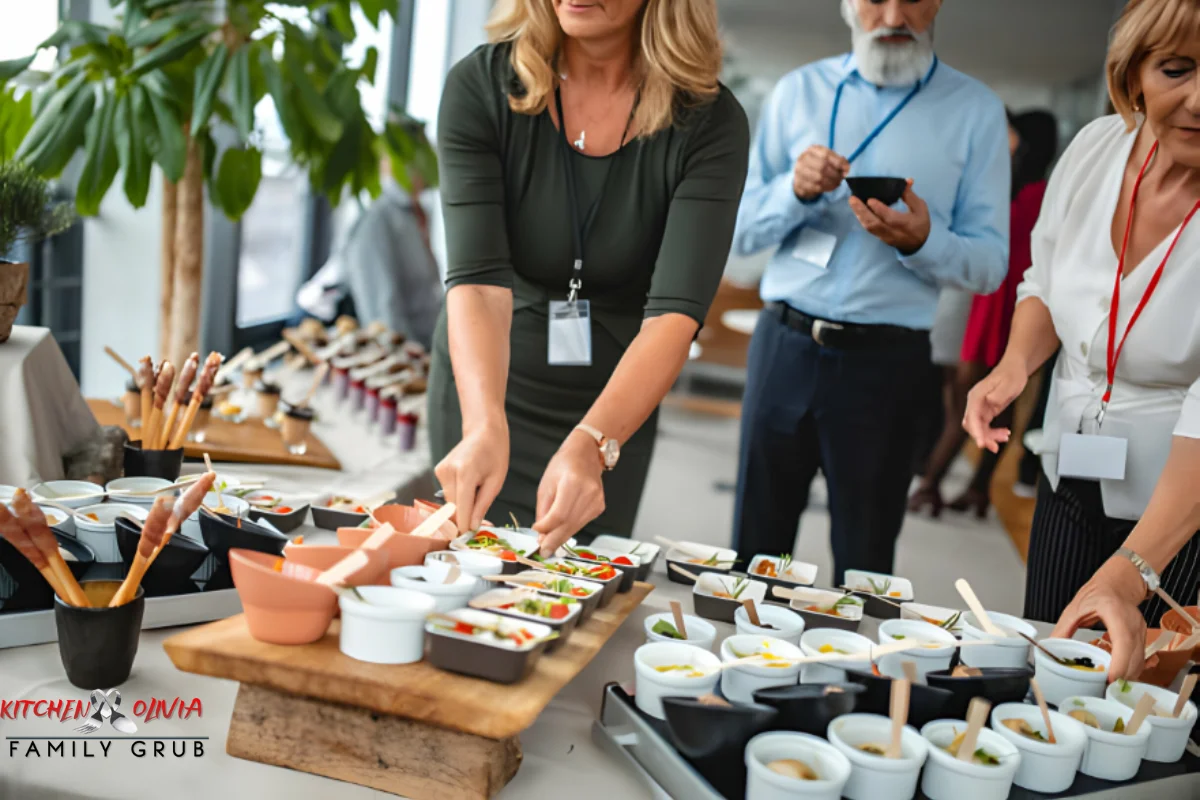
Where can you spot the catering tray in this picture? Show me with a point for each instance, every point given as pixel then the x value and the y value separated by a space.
pixel 644 747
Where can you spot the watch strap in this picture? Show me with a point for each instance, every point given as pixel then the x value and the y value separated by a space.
pixel 592 432
pixel 1149 575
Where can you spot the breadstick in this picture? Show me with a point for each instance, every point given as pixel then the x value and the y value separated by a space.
pixel 33 522
pixel 145 379
pixel 11 530
pixel 207 375
pixel 162 390
pixel 151 539
pixel 182 393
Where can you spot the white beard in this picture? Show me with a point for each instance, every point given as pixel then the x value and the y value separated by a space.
pixel 888 64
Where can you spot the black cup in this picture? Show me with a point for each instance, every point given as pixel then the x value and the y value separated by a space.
pixel 31 592
pixel 98 645
pixel 164 464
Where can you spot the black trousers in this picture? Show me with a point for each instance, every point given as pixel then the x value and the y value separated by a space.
pixel 848 413
pixel 1071 539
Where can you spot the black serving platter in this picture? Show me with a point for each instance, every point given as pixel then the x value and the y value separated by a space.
pixel 31 592
pixel 997 685
pixel 171 572
pixel 713 738
pixel 223 533
pixel 810 707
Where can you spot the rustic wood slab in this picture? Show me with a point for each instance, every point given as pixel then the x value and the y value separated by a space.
pixel 417 692
pixel 244 442
pixel 407 758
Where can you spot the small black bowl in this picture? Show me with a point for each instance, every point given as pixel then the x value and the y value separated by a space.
pixel 810 707
pixel 886 190
pixel 222 534
pixel 164 464
pixel 286 523
pixel 32 593
pixel 171 573
pixel 997 685
pixel 331 520
pixel 925 704
pixel 98 645
pixel 713 738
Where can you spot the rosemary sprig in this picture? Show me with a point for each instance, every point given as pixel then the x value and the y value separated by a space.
pixel 880 588
pixel 739 586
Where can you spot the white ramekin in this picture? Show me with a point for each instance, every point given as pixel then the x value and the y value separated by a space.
pixel 874 777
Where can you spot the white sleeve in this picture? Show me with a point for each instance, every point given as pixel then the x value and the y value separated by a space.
pixel 1188 425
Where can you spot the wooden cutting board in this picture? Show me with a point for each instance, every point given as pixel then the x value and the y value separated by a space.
pixel 418 692
pixel 243 442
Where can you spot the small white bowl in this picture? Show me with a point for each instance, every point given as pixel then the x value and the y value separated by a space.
pixel 874 777
pixel 191 526
pixel 652 686
pixel 1109 756
pixel 1011 651
pixel 1058 681
pixel 1047 768
pixel 789 626
pixel 6 493
pixel 947 778
pixel 700 632
pixel 1168 735
pixel 64 523
pixel 54 490
pixel 762 783
pixel 813 640
pixel 101 534
pixel 389 628
pixel 739 683
pixel 427 580
pixel 142 484
pixel 934 654
pixel 470 562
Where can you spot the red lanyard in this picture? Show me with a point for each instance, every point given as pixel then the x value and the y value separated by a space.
pixel 1114 349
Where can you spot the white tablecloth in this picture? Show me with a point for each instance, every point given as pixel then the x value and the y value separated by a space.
pixel 42 414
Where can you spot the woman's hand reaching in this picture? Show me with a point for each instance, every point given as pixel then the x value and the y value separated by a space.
pixel 1112 597
pixel 991 396
pixel 473 473
pixel 571 493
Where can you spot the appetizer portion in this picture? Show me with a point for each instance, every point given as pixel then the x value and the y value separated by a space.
pixel 346 504
pixel 542 608
pixel 1083 663
pixel 873 749
pixel 793 768
pixel 497 632
pixel 682 670
pixel 562 586
pixel 1089 719
pixel 847 606
pixel 981 756
pixel 877 584
pixel 1024 728
pixel 783 569
pixel 665 628
pixel 487 541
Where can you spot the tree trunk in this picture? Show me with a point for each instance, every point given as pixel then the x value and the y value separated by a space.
pixel 167 291
pixel 189 258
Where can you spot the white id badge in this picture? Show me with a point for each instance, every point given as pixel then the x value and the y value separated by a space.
pixel 1092 457
pixel 570 334
pixel 815 247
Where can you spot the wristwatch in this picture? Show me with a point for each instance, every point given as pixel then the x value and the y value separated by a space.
pixel 1152 578
pixel 610 449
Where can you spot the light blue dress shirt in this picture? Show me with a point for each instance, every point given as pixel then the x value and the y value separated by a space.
pixel 951 139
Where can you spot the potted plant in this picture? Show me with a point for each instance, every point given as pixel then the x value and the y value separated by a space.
pixel 151 89
pixel 27 212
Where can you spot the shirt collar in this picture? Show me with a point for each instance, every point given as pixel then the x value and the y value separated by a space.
pixel 850 70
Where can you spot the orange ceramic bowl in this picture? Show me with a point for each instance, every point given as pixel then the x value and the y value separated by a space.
pixel 405 519
pixel 402 550
pixel 280 609
pixel 324 556
pixel 1172 621
pixel 1163 667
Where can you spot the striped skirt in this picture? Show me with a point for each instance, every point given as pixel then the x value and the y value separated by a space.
pixel 1071 539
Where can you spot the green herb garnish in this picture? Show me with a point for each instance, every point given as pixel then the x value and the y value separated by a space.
pixel 880 588
pixel 1124 686
pixel 950 623
pixel 738 587
pixel 664 628
pixel 986 758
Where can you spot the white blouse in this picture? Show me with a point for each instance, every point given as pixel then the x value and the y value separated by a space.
pixel 1157 390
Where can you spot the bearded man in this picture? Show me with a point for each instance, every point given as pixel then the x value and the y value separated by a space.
pixel 837 358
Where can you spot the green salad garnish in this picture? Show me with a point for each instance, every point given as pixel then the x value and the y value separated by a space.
pixel 664 628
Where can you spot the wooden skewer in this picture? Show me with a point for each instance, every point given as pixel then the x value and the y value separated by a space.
pixel 968 594
pixel 977 714
pixel 1041 701
pixel 910 672
pixel 677 613
pixel 1180 610
pixel 1164 639
pixel 751 612
pixel 1185 694
pixel 1143 709
pixel 124 364
pixel 685 573
pixel 318 379
pixel 899 715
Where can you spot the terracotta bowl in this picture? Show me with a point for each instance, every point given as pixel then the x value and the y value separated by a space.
pixel 405 519
pixel 1172 621
pixel 324 556
pixel 280 609
pixel 1163 667
pixel 403 550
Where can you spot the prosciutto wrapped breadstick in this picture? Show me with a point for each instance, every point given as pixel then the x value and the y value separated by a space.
pixel 145 381
pixel 12 532
pixel 153 530
pixel 162 390
pixel 182 395
pixel 33 523
pixel 208 374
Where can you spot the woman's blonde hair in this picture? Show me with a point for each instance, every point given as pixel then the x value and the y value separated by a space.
pixel 1145 26
pixel 678 62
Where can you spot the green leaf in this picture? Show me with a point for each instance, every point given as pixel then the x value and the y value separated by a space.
pixel 74 31
pixel 100 167
pixel 170 146
pixel 369 65
pixel 208 80
pixel 241 94
pixel 289 118
pixel 132 153
pixel 16 117
pixel 67 137
pixel 373 8
pixel 134 17
pixel 152 32
pixel 237 180
pixel 170 50
pixel 313 107
pixel 339 18
pixel 48 116
pixel 14 67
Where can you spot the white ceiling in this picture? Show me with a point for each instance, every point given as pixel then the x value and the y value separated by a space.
pixel 1040 42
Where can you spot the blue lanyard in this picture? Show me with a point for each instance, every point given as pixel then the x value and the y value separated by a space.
pixel 837 102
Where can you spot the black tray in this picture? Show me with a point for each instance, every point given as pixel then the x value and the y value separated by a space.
pixel 651 753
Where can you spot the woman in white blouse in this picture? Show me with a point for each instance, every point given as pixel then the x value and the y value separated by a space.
pixel 1120 503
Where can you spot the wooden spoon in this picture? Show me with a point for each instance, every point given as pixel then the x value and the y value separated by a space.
pixel 1143 709
pixel 1062 662
pixel 1185 694
pixel 977 714
pixel 899 716
pixel 968 594
pixel 1166 598
pixel 685 573
pixel 1041 701
pixel 677 613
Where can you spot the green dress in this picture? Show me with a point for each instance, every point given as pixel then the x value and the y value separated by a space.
pixel 658 245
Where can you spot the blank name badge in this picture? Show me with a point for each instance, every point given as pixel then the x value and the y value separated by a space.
pixel 815 247
pixel 570 334
pixel 1092 457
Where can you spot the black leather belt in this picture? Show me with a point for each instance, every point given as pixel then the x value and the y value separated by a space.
pixel 846 335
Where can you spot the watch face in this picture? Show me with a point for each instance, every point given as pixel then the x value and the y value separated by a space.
pixel 610 451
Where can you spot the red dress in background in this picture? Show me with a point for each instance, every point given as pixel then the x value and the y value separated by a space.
pixel 992 314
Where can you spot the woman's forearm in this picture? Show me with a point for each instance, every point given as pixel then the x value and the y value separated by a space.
pixel 1173 515
pixel 1033 338
pixel 643 377
pixel 479 320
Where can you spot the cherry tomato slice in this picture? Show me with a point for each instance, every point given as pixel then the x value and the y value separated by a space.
pixel 559 611
pixel 623 561
pixel 508 555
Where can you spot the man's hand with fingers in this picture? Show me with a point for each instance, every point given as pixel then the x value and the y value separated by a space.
pixel 818 170
pixel 905 231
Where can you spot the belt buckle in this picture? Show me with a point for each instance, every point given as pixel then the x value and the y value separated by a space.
pixel 820 326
